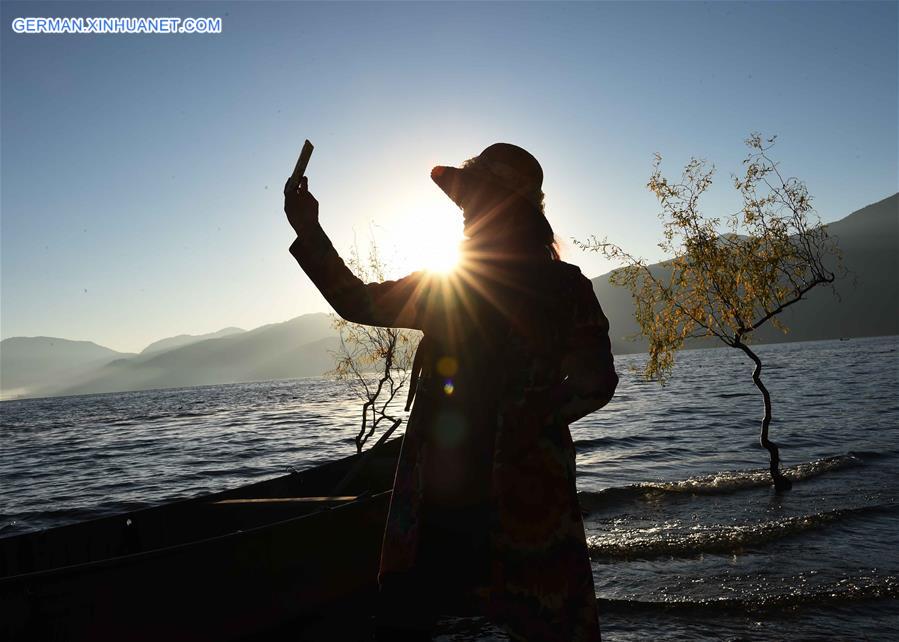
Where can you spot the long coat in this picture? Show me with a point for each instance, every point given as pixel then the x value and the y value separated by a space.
pixel 513 351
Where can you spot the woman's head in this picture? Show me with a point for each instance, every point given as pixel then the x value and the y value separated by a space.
pixel 501 196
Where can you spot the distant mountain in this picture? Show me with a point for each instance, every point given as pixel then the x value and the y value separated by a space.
pixel 46 366
pixel 867 302
pixel 29 363
pixel 184 339
pixel 295 348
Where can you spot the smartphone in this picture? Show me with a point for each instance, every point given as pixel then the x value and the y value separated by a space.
pixel 300 169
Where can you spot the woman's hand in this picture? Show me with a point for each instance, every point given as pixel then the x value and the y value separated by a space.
pixel 300 206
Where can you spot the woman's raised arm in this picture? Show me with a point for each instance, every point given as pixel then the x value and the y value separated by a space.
pixel 387 304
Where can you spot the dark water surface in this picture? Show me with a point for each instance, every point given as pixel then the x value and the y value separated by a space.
pixel 688 540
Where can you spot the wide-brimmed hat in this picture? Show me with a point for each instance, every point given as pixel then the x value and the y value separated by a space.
pixel 502 164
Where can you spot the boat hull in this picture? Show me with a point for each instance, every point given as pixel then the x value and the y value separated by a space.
pixel 232 585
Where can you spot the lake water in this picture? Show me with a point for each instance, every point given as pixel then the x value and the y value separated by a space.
pixel 688 539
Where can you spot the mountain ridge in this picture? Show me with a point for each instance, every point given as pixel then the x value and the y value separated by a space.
pixel 867 301
pixel 177 341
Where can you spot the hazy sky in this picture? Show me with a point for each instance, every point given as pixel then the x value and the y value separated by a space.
pixel 141 174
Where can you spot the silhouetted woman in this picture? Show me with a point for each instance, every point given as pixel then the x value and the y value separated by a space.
pixel 515 347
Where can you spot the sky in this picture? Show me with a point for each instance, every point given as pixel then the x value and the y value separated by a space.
pixel 141 175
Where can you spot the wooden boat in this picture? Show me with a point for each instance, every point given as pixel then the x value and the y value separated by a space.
pixel 241 563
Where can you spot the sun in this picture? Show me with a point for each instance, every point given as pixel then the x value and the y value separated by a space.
pixel 433 245
pixel 441 257
pixel 426 233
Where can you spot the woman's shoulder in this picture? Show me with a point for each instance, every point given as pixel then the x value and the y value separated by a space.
pixel 563 287
pixel 569 268
pixel 572 276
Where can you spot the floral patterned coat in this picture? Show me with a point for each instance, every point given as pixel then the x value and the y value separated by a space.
pixel 513 351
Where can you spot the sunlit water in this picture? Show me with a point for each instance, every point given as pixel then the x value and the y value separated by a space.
pixel 688 540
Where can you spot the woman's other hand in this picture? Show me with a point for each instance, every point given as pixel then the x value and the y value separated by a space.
pixel 300 206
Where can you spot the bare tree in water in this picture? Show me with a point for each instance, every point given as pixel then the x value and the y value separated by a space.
pixel 374 362
pixel 726 285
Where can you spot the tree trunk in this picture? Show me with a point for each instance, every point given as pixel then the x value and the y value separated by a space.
pixel 781 483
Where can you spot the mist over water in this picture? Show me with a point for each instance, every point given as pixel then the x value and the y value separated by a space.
pixel 688 539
